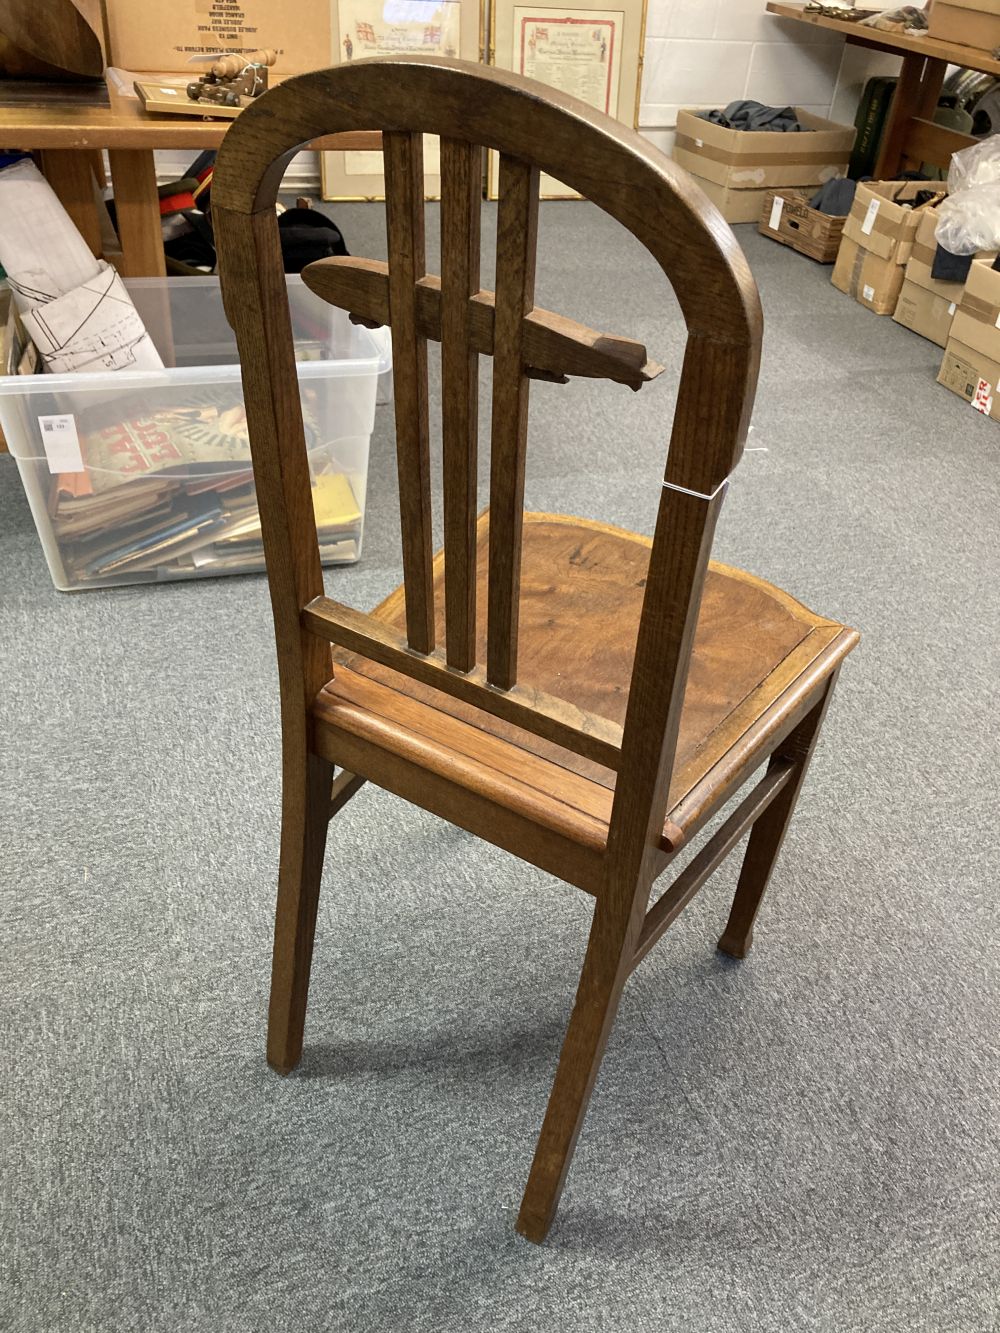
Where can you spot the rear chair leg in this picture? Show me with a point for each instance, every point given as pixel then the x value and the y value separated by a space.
pixel 769 831
pixel 605 969
pixel 304 818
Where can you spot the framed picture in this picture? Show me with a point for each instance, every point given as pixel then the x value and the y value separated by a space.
pixel 592 51
pixel 391 28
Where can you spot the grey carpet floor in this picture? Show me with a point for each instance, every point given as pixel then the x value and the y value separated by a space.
pixel 806 1140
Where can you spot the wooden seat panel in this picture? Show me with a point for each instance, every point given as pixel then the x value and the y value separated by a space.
pixel 581 597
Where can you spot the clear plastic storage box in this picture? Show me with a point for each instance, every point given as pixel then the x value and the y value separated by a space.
pixel 138 477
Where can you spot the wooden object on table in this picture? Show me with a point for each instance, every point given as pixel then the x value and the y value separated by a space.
pixel 77 131
pixel 623 690
pixel 911 137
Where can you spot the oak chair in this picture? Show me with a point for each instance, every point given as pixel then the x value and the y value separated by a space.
pixel 573 693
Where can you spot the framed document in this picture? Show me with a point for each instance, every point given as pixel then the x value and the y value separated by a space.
pixel 391 28
pixel 592 50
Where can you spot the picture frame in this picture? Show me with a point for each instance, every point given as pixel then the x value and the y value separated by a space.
pixel 591 49
pixel 396 27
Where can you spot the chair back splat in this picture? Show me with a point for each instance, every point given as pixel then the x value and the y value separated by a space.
pixel 534 130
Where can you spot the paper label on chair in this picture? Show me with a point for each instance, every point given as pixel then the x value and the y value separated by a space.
pixel 777 205
pixel 61 444
pixel 870 216
pixel 982 399
pixel 951 308
pixel 868 292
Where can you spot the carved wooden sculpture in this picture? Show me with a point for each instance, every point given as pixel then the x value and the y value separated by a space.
pixel 617 692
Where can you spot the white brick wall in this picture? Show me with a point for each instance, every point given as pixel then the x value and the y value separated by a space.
pixel 705 53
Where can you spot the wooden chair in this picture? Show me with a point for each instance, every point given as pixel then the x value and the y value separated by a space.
pixel 617 692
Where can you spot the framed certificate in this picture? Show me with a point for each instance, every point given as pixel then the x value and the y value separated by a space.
pixel 592 51
pixel 390 28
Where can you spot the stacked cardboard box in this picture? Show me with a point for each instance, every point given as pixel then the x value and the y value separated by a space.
pixel 968 22
pixel 971 365
pixel 926 305
pixel 736 168
pixel 877 241
pixel 787 218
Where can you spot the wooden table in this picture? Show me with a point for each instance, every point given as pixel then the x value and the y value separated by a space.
pixel 67 137
pixel 910 137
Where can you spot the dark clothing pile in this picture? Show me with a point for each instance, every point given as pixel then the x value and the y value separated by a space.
pixel 745 115
pixel 835 197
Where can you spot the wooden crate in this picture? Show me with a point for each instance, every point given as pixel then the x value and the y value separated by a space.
pixel 787 217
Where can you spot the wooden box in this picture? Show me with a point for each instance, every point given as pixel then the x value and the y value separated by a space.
pixel 787 217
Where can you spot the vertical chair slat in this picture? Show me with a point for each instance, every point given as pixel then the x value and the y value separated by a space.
pixel 461 197
pixel 517 235
pixel 404 210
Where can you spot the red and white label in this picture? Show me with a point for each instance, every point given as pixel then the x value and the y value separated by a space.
pixel 982 399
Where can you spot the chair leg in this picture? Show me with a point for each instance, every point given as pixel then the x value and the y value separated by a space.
pixel 304 819
pixel 769 831
pixel 605 969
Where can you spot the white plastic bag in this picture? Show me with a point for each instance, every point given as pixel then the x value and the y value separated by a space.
pixel 970 220
pixel 977 165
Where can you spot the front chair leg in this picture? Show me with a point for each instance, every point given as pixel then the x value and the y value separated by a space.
pixel 305 814
pixel 605 969
pixel 769 831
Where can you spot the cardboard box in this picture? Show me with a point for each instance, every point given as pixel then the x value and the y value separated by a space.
pixel 734 205
pixel 877 241
pixel 144 36
pixel 971 365
pixel 924 312
pixel 920 264
pixel 977 319
pixel 926 304
pixel 953 22
pixel 973 376
pixel 759 159
pixel 787 217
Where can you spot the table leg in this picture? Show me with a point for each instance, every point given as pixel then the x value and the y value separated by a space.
pixel 70 173
pixel 137 206
pixel 916 95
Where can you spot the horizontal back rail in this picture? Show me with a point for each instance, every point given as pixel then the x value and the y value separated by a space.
pixel 595 738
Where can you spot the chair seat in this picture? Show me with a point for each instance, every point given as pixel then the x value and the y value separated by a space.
pixel 758 657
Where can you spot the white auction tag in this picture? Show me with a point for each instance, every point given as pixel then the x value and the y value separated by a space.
pixel 997 321
pixel 982 399
pixel 951 308
pixel 61 444
pixel 868 292
pixel 777 205
pixel 870 216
